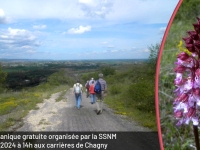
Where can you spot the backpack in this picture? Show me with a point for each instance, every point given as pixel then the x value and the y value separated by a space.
pixel 91 89
pixel 97 87
pixel 77 89
pixel 87 85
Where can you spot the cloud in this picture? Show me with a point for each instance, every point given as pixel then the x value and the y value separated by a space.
pixel 34 9
pixel 3 18
pixel 139 11
pixel 97 8
pixel 39 27
pixel 95 52
pixel 17 40
pixel 86 1
pixel 104 42
pixel 111 46
pixel 79 30
pixel 114 51
pixel 26 47
pixel 1 13
pixel 112 10
pixel 31 51
pixel 162 30
pixel 146 50
pixel 105 51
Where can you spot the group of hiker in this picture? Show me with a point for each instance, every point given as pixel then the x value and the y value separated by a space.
pixel 94 89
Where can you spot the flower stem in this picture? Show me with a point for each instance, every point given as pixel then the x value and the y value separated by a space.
pixel 196 135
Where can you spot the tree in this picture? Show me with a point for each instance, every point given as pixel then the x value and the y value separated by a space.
pixel 3 76
pixel 154 49
pixel 107 71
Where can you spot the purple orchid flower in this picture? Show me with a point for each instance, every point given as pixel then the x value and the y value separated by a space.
pixel 178 79
pixel 178 114
pixel 186 105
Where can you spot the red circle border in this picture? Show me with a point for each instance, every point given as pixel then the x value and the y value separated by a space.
pixel 157 74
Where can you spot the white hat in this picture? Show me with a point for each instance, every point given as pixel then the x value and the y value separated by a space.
pixel 100 75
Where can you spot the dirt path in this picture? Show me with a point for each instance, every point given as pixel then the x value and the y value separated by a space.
pixel 63 116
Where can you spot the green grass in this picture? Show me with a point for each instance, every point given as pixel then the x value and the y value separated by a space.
pixel 19 104
pixel 121 106
pixel 61 96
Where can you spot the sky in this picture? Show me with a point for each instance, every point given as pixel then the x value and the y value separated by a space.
pixel 82 29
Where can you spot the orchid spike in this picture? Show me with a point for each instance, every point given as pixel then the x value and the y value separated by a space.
pixel 187 81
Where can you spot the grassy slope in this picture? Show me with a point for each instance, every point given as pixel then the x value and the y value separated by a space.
pixel 132 93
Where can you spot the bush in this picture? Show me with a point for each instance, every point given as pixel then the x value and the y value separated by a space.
pixel 115 89
pixel 87 76
pixel 3 77
pixel 7 106
pixel 59 78
pixel 107 71
pixel 141 96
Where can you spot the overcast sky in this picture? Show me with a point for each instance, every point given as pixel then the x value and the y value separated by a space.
pixel 82 29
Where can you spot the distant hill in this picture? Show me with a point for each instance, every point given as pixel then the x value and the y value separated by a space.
pixel 83 60
pixel 22 60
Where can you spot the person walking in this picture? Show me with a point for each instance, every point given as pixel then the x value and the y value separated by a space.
pixel 90 82
pixel 78 90
pixel 100 95
pixel 87 86
pixel 92 93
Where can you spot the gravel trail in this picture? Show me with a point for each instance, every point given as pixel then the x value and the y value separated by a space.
pixel 63 117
